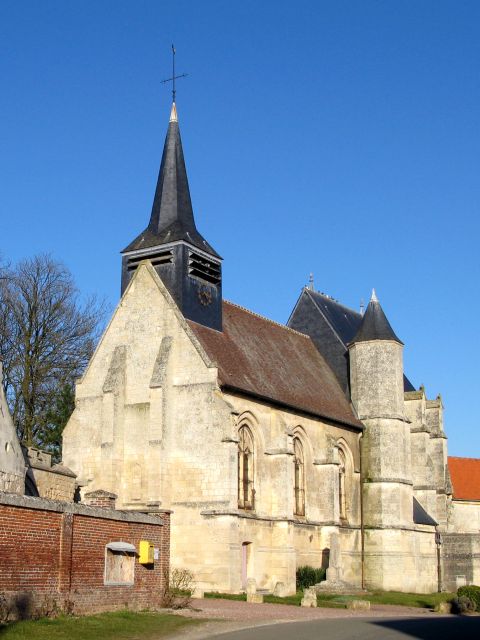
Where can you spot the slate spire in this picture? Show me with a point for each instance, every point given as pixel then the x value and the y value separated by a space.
pixel 171 218
pixel 375 325
pixel 188 266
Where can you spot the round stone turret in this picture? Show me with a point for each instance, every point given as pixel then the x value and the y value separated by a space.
pixel 376 366
pixel 376 378
pixel 377 392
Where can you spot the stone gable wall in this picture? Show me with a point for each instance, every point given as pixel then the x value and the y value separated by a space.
pixel 142 404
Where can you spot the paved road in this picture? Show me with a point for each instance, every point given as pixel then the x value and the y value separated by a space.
pixel 454 628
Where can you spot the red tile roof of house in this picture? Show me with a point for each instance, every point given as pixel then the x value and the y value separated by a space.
pixel 272 362
pixel 465 475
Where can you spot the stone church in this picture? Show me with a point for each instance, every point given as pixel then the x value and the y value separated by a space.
pixel 274 446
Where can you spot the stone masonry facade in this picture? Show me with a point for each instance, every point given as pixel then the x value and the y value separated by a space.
pixel 152 425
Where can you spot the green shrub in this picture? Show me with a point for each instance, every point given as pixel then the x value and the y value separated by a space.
pixel 463 604
pixel 472 592
pixel 308 576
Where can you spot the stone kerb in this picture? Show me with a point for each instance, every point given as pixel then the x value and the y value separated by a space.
pixel 359 605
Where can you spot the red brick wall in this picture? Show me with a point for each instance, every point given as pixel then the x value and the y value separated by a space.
pixel 61 555
pixel 89 540
pixel 29 542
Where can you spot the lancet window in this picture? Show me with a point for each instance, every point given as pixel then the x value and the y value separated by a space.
pixel 299 477
pixel 342 484
pixel 246 489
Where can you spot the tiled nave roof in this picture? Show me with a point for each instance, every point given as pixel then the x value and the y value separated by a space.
pixel 465 476
pixel 273 362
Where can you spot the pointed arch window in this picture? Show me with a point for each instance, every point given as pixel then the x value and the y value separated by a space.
pixel 342 491
pixel 299 477
pixel 246 490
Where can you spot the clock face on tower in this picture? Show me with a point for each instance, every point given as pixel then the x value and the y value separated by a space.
pixel 204 296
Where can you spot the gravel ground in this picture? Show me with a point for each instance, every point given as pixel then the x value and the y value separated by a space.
pixel 230 615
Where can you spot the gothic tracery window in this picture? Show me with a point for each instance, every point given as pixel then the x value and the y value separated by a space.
pixel 299 477
pixel 246 491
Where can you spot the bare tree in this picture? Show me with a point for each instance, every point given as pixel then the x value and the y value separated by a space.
pixel 46 339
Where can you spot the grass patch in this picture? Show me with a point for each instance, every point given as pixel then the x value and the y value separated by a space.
pixel 225 596
pixel 331 601
pixel 117 625
pixel 337 601
pixel 421 600
pixel 294 600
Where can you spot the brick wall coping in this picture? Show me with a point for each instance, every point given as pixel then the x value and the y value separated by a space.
pixel 100 493
pixel 151 510
pixel 43 504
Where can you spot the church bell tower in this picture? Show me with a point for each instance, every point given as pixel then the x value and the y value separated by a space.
pixel 188 266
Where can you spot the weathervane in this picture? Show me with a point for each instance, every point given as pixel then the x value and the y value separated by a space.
pixel 174 77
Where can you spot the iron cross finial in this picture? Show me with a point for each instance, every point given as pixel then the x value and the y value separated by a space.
pixel 174 77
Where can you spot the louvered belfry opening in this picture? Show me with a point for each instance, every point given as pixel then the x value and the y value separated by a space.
pixel 156 258
pixel 204 268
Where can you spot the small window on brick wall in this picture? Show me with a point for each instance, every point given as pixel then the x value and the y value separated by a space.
pixel 120 563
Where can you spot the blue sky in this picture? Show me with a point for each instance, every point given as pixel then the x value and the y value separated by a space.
pixel 339 137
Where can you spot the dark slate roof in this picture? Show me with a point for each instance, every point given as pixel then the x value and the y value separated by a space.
pixel 374 325
pixel 343 320
pixel 332 326
pixel 172 213
pixel 269 361
pixel 420 516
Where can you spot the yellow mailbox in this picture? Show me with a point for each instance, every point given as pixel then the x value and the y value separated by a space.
pixel 145 552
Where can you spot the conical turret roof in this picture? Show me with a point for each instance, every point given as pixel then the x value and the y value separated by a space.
pixel 375 325
pixel 172 213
